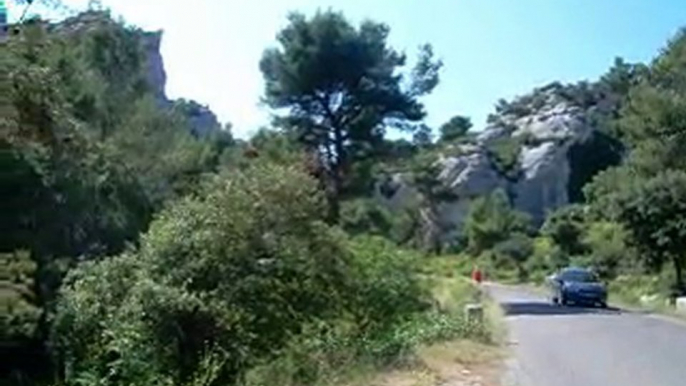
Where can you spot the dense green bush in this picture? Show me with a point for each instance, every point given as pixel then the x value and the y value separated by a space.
pixel 385 287
pixel 610 253
pixel 455 128
pixel 565 227
pixel 237 269
pixel 504 153
pixel 328 350
pixel 87 153
pixel 239 274
pixel 515 251
pixel 492 220
pixel 361 216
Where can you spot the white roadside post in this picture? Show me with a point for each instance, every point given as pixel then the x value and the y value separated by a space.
pixel 681 305
pixel 474 312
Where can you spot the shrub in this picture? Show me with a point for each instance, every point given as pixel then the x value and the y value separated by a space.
pixel 243 275
pixel 492 220
pixel 609 250
pixel 361 216
pixel 545 257
pixel 384 285
pixel 515 250
pixel 504 153
pixel 630 288
pixel 565 227
pixel 329 350
pixel 237 270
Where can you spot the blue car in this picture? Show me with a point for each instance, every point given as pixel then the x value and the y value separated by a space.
pixel 578 286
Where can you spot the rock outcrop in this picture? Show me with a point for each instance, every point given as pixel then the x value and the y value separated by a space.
pixel 202 120
pixel 543 129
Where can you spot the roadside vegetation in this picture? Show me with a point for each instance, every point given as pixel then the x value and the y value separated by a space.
pixel 137 250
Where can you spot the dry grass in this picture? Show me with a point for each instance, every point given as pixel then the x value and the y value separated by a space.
pixel 457 363
pixel 461 352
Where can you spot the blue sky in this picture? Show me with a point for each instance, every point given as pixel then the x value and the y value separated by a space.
pixel 491 48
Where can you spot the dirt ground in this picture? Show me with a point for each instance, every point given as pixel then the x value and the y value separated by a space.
pixel 459 363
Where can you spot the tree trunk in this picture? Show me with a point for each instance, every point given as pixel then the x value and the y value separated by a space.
pixel 334 207
pixel 678 269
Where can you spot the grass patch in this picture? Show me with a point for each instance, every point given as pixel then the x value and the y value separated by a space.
pixel 463 352
pixel 461 266
pixel 644 292
pixel 494 321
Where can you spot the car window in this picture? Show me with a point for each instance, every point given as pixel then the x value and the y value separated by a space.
pixel 578 276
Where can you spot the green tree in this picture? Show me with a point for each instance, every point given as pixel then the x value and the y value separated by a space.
pixel 425 170
pixel 276 146
pixel 518 248
pixel 504 152
pixel 455 128
pixel 365 216
pixel 492 220
pixel 655 216
pixel 20 335
pixel 422 137
pixel 341 88
pixel 609 251
pixel 565 227
pixel 86 151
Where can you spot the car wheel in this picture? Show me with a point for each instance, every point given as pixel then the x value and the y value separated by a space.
pixel 563 301
pixel 603 304
pixel 555 300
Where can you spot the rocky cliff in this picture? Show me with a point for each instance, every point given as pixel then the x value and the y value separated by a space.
pixel 530 149
pixel 201 119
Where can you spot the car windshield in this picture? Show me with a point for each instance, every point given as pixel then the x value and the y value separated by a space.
pixel 578 276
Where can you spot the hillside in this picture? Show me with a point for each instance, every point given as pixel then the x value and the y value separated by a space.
pixel 541 149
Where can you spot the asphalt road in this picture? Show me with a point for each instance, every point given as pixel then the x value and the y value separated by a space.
pixel 576 346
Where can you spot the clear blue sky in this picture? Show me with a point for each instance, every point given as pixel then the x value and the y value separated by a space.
pixel 491 48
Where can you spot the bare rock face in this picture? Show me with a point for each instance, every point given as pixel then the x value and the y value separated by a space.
pixel 156 75
pixel 544 161
pixel 202 120
pixel 471 173
pixel 544 134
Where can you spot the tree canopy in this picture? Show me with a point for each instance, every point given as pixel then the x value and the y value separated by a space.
pixel 492 220
pixel 655 216
pixel 455 128
pixel 341 88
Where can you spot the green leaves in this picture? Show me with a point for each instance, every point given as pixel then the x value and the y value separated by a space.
pixel 240 267
pixel 455 128
pixel 226 280
pixel 654 215
pixel 19 304
pixel 87 153
pixel 645 194
pixel 425 74
pixel 341 90
pixel 565 227
pixel 491 220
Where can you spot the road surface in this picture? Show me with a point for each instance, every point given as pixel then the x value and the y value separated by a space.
pixel 575 346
